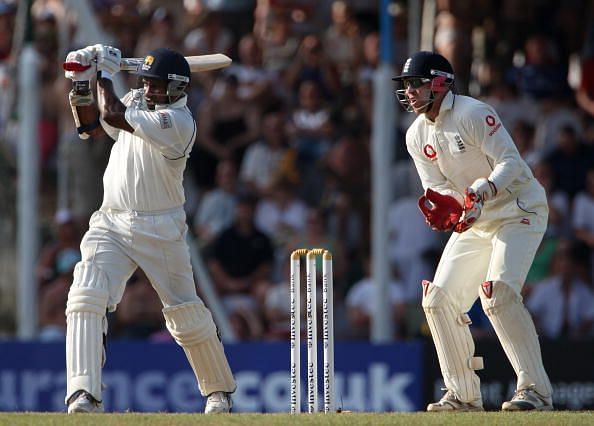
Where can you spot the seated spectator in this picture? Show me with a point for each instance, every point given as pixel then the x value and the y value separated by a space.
pixel 316 235
pixel 139 314
pixel 310 127
pixel 216 209
pixel 53 297
pixel 240 260
pixel 211 36
pixel 583 217
pixel 311 63
pixel 361 302
pixel 255 84
pixel 570 161
pixel 342 41
pixel 563 305
pixel 227 126
pixel 66 239
pixel 522 134
pixel 160 33
pixel 558 201
pixel 263 160
pixel 279 45
pixel 409 238
pixel 281 215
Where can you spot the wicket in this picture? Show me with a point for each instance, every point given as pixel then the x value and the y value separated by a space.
pixel 312 332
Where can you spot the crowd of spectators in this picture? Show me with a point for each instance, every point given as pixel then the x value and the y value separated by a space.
pixel 282 157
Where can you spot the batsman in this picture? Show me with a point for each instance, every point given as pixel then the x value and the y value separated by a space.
pixel 140 224
pixel 477 185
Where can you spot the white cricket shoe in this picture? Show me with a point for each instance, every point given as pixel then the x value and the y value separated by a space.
pixel 83 402
pixel 450 402
pixel 218 402
pixel 527 400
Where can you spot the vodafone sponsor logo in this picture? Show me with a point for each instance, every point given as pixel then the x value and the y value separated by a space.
pixel 491 121
pixel 429 152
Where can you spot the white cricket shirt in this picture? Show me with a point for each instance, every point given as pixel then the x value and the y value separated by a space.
pixel 145 168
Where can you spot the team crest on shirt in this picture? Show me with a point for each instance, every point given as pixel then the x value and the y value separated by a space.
pixel 430 152
pixel 460 143
pixel 165 120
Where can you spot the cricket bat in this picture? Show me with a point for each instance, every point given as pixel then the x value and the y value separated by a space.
pixel 197 63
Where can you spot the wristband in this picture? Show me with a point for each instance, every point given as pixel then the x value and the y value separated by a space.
pixel 105 74
pixel 85 128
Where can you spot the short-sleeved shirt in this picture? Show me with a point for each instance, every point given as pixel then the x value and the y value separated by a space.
pixel 240 255
pixel 145 168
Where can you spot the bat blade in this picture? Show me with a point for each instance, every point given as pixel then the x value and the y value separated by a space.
pixel 197 63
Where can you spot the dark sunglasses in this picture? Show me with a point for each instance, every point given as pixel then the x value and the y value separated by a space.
pixel 415 83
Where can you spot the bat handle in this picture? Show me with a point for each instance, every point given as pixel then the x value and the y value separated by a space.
pixel 75 66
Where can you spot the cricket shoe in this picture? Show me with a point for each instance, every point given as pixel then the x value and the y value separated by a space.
pixel 527 400
pixel 449 402
pixel 218 402
pixel 83 402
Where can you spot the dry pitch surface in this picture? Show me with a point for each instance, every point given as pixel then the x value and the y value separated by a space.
pixel 405 419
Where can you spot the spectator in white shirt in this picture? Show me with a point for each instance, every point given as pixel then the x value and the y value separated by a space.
pixel 563 305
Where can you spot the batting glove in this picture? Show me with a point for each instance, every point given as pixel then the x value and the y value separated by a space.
pixel 484 188
pixel 85 65
pixel 108 59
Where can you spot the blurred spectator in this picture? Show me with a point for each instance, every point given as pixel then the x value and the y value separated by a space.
pixel 281 214
pixel 370 56
pixel 360 302
pixel 310 127
pixel 240 260
pixel 584 94
pixel 342 42
pixel 65 239
pixel 279 44
pixel 211 36
pixel 53 297
pixel 541 75
pixel 452 40
pixel 139 313
pixel 227 125
pixel 263 160
pixel 7 16
pixel 522 134
pixel 311 63
pixel 316 235
pixel 563 305
pixel 255 84
pixel 409 238
pixel 583 217
pixel 570 161
pixel 161 32
pixel 216 209
pixel 558 201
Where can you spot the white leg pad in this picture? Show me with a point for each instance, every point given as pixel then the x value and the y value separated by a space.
pixel 85 325
pixel 193 328
pixel 517 335
pixel 453 343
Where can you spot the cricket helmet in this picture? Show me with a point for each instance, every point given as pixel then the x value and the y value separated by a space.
pixel 167 65
pixel 421 68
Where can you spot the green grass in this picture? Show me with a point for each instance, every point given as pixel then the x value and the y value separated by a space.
pixel 405 419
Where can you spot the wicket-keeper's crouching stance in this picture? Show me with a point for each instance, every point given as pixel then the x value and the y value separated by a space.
pixel 477 185
pixel 141 222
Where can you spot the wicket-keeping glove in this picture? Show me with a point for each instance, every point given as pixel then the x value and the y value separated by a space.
pixel 442 212
pixel 473 207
